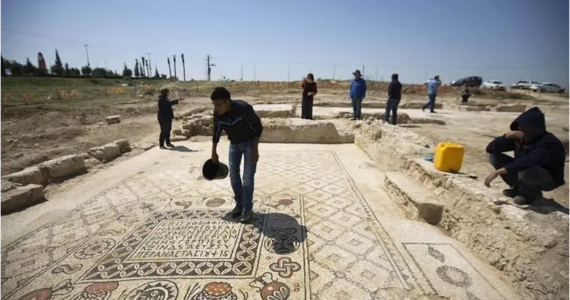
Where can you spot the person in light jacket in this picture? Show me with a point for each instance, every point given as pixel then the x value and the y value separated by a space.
pixel 165 117
pixel 357 94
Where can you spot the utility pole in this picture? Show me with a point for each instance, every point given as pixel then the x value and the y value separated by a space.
pixel 362 70
pixel 334 72
pixel 209 66
pixel 376 75
pixel 87 54
pixel 174 61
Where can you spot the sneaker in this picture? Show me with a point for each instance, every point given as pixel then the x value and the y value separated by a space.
pixel 423 108
pixel 246 216
pixel 236 212
pixel 161 147
pixel 433 111
pixel 169 145
pixel 511 193
pixel 520 200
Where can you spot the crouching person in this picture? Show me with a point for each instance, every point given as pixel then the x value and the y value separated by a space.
pixel 538 163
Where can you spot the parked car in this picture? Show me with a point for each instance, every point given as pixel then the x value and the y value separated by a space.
pixel 494 85
pixel 471 81
pixel 524 84
pixel 547 87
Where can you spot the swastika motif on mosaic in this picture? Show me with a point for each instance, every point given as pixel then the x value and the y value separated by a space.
pixel 349 252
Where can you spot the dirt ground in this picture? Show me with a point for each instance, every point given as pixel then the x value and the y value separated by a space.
pixel 35 133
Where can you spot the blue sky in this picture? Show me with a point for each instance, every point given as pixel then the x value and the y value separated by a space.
pixel 504 40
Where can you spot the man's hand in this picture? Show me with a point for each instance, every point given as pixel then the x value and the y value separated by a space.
pixel 215 157
pixel 309 93
pixel 490 178
pixel 255 155
pixel 516 134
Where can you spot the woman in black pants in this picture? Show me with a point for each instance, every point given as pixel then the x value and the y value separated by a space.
pixel 165 116
pixel 309 91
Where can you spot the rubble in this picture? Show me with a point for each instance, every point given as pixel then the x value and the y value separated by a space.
pixel 20 198
pixel 110 120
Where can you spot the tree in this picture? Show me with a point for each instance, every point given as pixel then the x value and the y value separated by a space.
pixel 4 66
pixel 183 66
pixel 127 72
pixel 156 75
pixel 86 70
pixel 16 68
pixel 174 60
pixel 99 72
pixel 29 69
pixel 163 76
pixel 137 73
pixel 66 69
pixel 75 72
pixel 169 70
pixel 58 67
pixel 143 67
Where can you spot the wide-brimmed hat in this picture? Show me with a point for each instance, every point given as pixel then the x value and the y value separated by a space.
pixel 357 72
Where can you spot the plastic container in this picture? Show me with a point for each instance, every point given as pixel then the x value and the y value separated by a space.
pixel 448 157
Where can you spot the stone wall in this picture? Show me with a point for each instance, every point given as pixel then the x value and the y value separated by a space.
pixel 529 247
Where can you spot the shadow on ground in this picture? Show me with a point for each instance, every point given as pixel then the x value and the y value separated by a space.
pixel 284 233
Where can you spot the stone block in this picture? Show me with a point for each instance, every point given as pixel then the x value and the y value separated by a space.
pixel 64 167
pixel 110 120
pixel 106 152
pixel 419 202
pixel 30 175
pixel 301 131
pixel 124 145
pixel 21 198
pixel 7 185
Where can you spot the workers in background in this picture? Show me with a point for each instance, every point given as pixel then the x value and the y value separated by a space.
pixel 165 117
pixel 432 88
pixel 394 97
pixel 465 94
pixel 309 91
pixel 357 94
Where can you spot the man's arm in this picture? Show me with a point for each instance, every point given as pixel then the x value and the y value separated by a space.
pixel 174 102
pixel 364 88
pixel 536 158
pixel 390 89
pixel 501 144
pixel 254 123
pixel 315 91
pixel 216 137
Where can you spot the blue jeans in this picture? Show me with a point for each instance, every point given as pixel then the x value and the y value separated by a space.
pixel 431 102
pixel 243 193
pixel 356 108
pixel 392 105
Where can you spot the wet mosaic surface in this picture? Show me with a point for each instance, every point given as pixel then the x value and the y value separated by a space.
pixel 166 235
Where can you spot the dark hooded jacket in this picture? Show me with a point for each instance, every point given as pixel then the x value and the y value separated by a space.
pixel 543 150
pixel 165 108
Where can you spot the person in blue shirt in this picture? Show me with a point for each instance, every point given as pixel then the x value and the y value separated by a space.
pixel 539 161
pixel 357 94
pixel 243 127
pixel 432 87
pixel 165 117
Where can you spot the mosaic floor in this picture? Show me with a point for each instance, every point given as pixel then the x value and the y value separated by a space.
pixel 165 235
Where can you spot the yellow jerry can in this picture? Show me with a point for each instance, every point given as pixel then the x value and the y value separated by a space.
pixel 448 157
